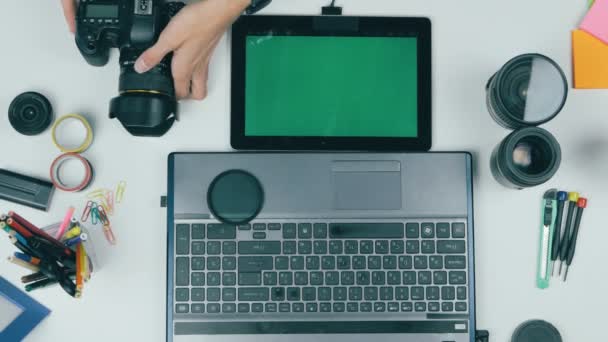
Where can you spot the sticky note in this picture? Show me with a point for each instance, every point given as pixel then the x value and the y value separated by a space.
pixel 590 60
pixel 596 21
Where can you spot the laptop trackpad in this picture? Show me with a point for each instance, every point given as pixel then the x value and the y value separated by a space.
pixel 366 185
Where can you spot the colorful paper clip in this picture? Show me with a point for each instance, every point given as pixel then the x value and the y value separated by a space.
pixel 98 193
pixel 95 215
pixel 110 202
pixel 86 213
pixel 120 191
pixel 103 217
pixel 107 231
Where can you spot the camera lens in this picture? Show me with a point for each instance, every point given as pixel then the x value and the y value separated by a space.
pixel 146 105
pixel 30 113
pixel 525 158
pixel 529 90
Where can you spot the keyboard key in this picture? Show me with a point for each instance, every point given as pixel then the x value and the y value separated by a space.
pixel 229 247
pixel 425 278
pixel 290 247
pixel 182 239
pixel 412 230
pixel 406 307
pixel 455 262
pixel 378 278
pixel 417 293
pixel 332 278
pixel 351 247
pixel 447 306
pixel 461 293
pixel 259 226
pixel 214 248
pixel 451 247
pixel 325 307
pixel 214 278
pixel 198 263
pixel 229 263
pixel 221 232
pixel 182 294
pixel 255 264
pixel 370 293
pixel 432 293
pixel 198 308
pixel 409 278
pixel 311 307
pixel 182 271
pixel 197 294
pixel 319 247
pixel 243 307
pixel 284 307
pixel 198 279
pixel 182 308
pixel 347 278
pixel 289 231
pixel 448 293
pixel 213 308
pixel 304 247
pixel 420 306
pixel 379 307
pixel 412 246
pixel 296 262
pixel 328 262
pixel 363 278
pixel 229 294
pixel 352 307
pixel 270 278
pixel 359 262
pixel 402 293
pixel 271 307
pixel 397 247
pixel 304 231
pixel 433 306
pixel 461 306
pixel 366 247
pixel 335 247
pixel 259 235
pixel 274 226
pixel 458 278
pixel 257 307
pixel 228 278
pixel 381 247
pixel 389 262
pixel 244 227
pixel 386 293
pixel 281 263
pixel 340 293
pixel 343 262
pixel 320 231
pixel 355 293
pixel 405 262
pixel 293 293
pixel 428 247
pixel 301 278
pixel 365 307
pixel 436 262
pixel 374 262
pixel 339 307
pixel 393 278
pixel 253 294
pixel 278 294
pixel 246 279
pixel 213 294
pixel 427 230
pixel 214 263
pixel 366 230
pixel 443 230
pixel 324 293
pixel 440 277
pixel 316 278
pixel 458 230
pixel 421 262
pixel 309 294
pixel 198 231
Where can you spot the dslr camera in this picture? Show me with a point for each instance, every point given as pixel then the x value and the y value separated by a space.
pixel 146 104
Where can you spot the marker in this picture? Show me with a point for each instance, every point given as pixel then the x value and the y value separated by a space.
pixel 563 250
pixel 582 204
pixel 40 284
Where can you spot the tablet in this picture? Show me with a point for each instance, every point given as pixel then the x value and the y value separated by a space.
pixel 331 83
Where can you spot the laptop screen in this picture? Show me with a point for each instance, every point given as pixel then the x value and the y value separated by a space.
pixel 326 86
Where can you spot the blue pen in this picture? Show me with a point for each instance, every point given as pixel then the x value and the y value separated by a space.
pixel 73 241
pixel 23 257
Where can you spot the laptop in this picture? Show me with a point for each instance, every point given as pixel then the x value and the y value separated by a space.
pixel 345 247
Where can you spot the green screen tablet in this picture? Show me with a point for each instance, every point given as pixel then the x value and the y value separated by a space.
pixel 298 87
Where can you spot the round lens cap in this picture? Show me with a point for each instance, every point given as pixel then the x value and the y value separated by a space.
pixel 536 331
pixel 235 197
pixel 30 113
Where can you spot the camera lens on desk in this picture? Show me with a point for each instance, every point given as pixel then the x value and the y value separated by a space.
pixel 527 157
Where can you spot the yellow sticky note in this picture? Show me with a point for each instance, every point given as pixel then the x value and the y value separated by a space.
pixel 590 61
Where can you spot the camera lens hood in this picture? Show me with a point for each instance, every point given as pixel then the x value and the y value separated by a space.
pixel 144 114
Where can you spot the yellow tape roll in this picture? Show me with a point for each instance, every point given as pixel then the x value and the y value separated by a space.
pixel 85 143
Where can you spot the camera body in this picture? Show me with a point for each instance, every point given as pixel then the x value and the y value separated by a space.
pixel 146 105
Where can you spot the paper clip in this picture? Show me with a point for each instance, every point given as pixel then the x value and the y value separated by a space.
pixel 86 213
pixel 107 231
pixel 110 202
pixel 99 193
pixel 120 191
pixel 103 217
pixel 95 215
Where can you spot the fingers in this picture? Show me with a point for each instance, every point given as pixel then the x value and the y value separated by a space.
pixel 69 11
pixel 151 57
pixel 199 82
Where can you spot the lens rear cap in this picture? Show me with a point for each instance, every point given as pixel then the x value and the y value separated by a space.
pixel 30 113
pixel 536 331
pixel 235 197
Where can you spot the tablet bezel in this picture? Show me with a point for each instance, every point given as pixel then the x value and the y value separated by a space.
pixel 331 26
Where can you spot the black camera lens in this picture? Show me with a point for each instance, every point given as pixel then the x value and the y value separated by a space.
pixel 30 113
pixel 525 158
pixel 529 90
pixel 231 209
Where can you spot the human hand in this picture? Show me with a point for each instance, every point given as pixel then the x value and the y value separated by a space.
pixel 69 11
pixel 192 36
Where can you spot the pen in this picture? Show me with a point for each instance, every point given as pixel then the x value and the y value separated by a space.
pixel 33 277
pixel 27 258
pixel 562 196
pixel 66 222
pixel 40 284
pixel 33 229
pixel 23 264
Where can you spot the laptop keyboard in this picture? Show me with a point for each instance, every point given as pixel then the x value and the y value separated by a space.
pixel 272 268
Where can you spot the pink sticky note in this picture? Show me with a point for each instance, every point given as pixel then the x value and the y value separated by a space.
pixel 596 21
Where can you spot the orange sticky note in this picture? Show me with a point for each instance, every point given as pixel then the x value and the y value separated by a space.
pixel 590 61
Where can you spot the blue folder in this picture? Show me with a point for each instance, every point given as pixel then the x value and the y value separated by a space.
pixel 32 313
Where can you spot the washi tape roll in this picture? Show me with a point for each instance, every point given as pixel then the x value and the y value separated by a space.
pixel 71 172
pixel 72 133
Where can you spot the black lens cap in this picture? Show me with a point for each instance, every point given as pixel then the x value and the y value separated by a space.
pixel 536 331
pixel 30 113
pixel 235 197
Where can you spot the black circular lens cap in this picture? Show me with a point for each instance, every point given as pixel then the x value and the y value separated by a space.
pixel 235 197
pixel 30 113
pixel 536 331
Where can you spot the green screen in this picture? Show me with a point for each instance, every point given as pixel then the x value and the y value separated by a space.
pixel 331 86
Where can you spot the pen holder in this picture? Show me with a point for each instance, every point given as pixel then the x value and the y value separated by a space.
pixel 87 244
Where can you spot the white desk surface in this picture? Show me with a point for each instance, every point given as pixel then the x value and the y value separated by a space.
pixel 125 301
